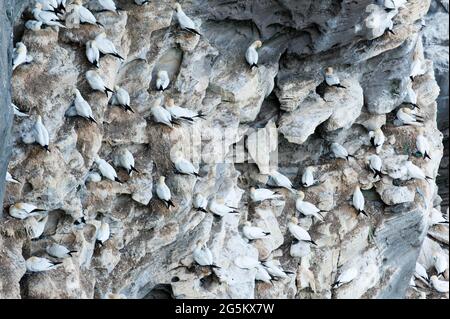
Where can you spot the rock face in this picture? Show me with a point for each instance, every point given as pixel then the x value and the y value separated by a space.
pixel 277 116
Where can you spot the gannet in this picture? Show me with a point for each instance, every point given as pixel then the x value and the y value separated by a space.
pixel 358 201
pixel 33 25
pixel 141 2
pixel 24 210
pixel 10 179
pixel 109 5
pixel 440 263
pixel 183 166
pixel 246 262
pixel 218 207
pixel 375 165
pixel 377 139
pixel 253 232
pixel 59 251
pixel 107 170
pixel 103 233
pixel 422 145
pixel 262 194
pixel 92 53
pixel 84 14
pixel 96 82
pixel 40 134
pixel 203 256
pixel 49 5
pixel 332 79
pixel 106 46
pixel 308 177
pixel 161 115
pixel 411 97
pixel 184 21
pixel 420 271
pixel 274 268
pixel 36 225
pixel 200 203
pixel 436 217
pixel 339 151
pixel 262 274
pixel 298 232
pixel 178 112
pixel 307 208
pixel 406 117
pixel 37 264
pixel 18 112
pixel 417 68
pixel 125 159
pixel 163 192
pixel 415 172
pixel 439 285
pixel 83 108
pixel 20 55
pixel 345 277
pixel 162 80
pixel 251 55
pixel 279 180
pixel 122 98
pixel 46 17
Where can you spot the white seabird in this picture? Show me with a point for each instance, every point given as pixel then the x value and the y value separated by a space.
pixel 411 97
pixel 40 134
pixel 24 210
pixel 308 177
pixel 345 277
pixel 162 80
pixel 415 172
pixel 161 115
pixel 18 112
pixel 122 98
pixel 33 25
pixel 358 201
pixel 440 263
pixel 46 17
pixel 103 233
pixel 49 5
pixel 163 192
pixel 203 256
pixel 183 166
pixel 307 208
pixel 262 194
pixel 37 264
pixel 93 53
pixel 253 232
pixel 178 112
pixel 279 180
pixel 375 165
pixel 436 217
pixel 440 285
pixel 377 139
pixel 274 268
pixel 339 151
pixel 218 207
pixel 125 159
pixel 10 179
pixel 332 79
pixel 420 271
pixel 83 108
pixel 96 82
pixel 20 55
pixel 59 251
pixel 251 55
pixel 407 117
pixel 106 46
pixel 106 170
pixel 299 232
pixel 141 2
pixel 262 274
pixel 109 5
pixel 418 67
pixel 84 14
pixel 36 225
pixel 200 203
pixel 422 145
pixel 184 21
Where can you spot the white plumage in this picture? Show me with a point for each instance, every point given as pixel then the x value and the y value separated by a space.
pixel 345 277
pixel 36 225
pixel 406 117
pixel 106 46
pixel 33 25
pixel 377 139
pixel 253 232
pixel 10 179
pixel 299 232
pixel 20 55
pixel 331 79
pixel 83 108
pixel 339 151
pixel 178 112
pixel 358 201
pixel 200 203
pixel 251 55
pixel 93 53
pixel 108 5
pixel 436 217
pixel 23 210
pixel 184 21
pixel 440 263
pixel 274 268
pixel 163 192
pixel 40 134
pixel 262 274
pixel 107 170
pixel 417 68
pixel 84 14
pixel 162 80
pixel 96 82
pixel 375 164
pixel 279 180
pixel 203 255
pixel 59 251
pixel 183 166
pixel 306 208
pixel 411 96
pixel 420 271
pixel 262 194
pixel 218 207
pixel 160 114
pixel 38 264
pixel 17 111
pixel 103 233
pixel 46 17
pixel 440 285
pixel 415 172
pixel 308 177
pixel 125 159
pixel 423 146
pixel 122 98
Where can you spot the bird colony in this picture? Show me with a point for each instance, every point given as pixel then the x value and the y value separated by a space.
pixel 112 99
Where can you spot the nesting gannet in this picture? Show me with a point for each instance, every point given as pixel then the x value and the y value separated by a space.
pixel 203 256
pixel 20 55
pixel 440 285
pixel 122 98
pixel 24 210
pixel 262 274
pixel 339 151
pixel 253 232
pixel 345 277
pixel 358 200
pixel 107 170
pixel 103 233
pixel 411 97
pixel 163 192
pixel 96 82
pixel 33 25
pixel 18 112
pixel 415 172
pixel 179 112
pixel 274 268
pixel 375 165
pixel 141 2
pixel 440 263
pixel 109 5
pixel 92 53
pixel 40 134
pixel 46 17
pixel 84 14
pixel 279 180
pixel 436 217
pixel 377 139
pixel 406 117
pixel 262 194
pixel 59 251
pixel 83 108
pixel 247 262
pixel 184 21
pixel 162 80
pixel 308 177
pixel 298 232
pixel 218 207
pixel 307 208
pixel 420 271
pixel 422 145
pixel 126 160
pixel 10 179
pixel 200 203
pixel 183 166
pixel 37 264
pixel 161 115
pixel 417 68
pixel 49 5
pixel 251 55
pixel 106 46
pixel 36 225
pixel 332 79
